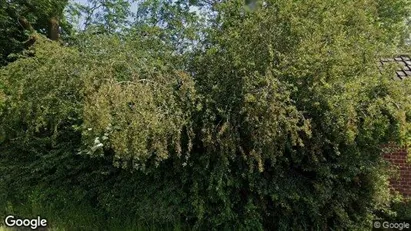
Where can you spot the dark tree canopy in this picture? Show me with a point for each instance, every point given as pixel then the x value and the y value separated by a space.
pixel 20 18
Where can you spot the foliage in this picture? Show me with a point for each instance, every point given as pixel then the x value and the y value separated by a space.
pixel 135 104
pixel 46 125
pixel 176 23
pixel 31 119
pixel 403 210
pixel 293 90
pixel 270 117
pixel 20 18
pixel 8 27
pixel 110 16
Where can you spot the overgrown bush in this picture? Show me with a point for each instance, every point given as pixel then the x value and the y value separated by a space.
pixel 274 122
pixel 54 98
pixel 402 209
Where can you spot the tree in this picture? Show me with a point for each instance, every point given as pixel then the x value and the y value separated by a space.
pixel 55 122
pixel 19 19
pixel 273 120
pixel 294 102
pixel 105 16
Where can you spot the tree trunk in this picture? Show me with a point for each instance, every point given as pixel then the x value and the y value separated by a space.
pixel 54 33
pixel 25 24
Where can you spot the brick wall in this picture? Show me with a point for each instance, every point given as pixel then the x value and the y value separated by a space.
pixel 402 183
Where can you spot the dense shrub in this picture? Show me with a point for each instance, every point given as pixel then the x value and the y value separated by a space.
pixel 275 122
pixel 53 99
pixel 402 209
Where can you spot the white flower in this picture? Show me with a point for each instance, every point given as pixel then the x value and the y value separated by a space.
pixel 94 148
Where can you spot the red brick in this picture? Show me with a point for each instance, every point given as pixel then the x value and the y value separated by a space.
pixel 398 158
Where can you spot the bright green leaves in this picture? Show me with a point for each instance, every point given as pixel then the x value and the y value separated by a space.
pixel 289 90
pixel 135 105
pixel 389 13
pixel 271 117
pixel 127 101
pixel 145 116
pixel 42 91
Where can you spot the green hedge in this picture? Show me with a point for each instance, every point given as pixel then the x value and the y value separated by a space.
pixel 276 123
